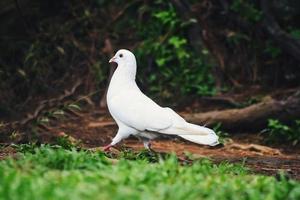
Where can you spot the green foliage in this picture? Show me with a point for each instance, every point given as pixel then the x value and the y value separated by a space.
pixel 236 37
pixel 55 173
pixel 73 106
pixel 272 50
pixel 56 113
pixel 26 148
pixel 295 33
pixel 281 133
pixel 247 10
pixel 250 101
pixel 171 66
pixel 69 39
pixel 45 60
pixel 66 142
pixel 223 136
pixel 14 135
pixel 142 155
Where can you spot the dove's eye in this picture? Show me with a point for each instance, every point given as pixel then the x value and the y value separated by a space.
pixel 121 55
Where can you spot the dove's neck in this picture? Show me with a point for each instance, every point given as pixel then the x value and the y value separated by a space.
pixel 125 73
pixel 123 77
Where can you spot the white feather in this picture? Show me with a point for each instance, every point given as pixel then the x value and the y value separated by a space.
pixel 135 113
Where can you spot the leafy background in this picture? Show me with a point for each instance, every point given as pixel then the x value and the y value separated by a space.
pixel 203 51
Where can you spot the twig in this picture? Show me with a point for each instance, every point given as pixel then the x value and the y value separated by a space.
pixel 47 103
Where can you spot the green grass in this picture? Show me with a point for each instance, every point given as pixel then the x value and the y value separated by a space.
pixel 56 173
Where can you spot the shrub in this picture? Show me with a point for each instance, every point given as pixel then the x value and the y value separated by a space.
pixel 279 132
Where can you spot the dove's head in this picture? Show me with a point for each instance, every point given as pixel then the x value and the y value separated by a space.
pixel 126 64
pixel 123 57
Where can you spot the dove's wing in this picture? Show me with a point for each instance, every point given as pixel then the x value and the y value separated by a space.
pixel 136 110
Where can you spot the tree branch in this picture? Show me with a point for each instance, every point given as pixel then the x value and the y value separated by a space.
pixel 254 117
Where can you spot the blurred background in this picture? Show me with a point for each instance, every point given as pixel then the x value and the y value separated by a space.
pixel 195 56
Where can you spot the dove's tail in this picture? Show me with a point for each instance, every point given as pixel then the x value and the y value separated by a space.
pixel 192 132
pixel 199 135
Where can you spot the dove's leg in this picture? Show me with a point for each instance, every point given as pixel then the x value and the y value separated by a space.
pixel 123 132
pixel 147 143
pixel 115 140
pixel 146 137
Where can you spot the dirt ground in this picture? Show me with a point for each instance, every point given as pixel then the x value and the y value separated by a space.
pixel 95 128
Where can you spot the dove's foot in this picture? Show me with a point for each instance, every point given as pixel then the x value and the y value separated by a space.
pixel 147 146
pixel 107 147
pixel 146 143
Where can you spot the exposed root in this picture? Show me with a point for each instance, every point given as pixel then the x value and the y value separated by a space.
pixel 259 149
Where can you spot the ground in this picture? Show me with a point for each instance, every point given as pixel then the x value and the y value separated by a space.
pixel 95 128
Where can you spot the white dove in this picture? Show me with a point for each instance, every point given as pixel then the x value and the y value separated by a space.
pixel 136 114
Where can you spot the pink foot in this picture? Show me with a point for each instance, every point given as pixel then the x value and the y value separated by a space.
pixel 107 147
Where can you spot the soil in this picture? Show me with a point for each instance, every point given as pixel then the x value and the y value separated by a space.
pixel 95 128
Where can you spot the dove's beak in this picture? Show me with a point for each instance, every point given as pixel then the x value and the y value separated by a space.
pixel 113 59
